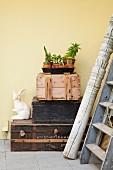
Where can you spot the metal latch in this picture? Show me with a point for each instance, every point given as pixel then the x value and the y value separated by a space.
pixel 22 133
pixel 56 131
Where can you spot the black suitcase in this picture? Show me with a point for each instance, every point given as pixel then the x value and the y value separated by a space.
pixel 55 111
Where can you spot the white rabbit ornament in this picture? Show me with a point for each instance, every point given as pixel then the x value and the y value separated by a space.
pixel 21 108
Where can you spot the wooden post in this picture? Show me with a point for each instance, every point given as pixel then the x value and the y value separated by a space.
pixel 88 100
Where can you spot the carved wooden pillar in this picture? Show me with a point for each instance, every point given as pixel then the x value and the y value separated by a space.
pixel 90 94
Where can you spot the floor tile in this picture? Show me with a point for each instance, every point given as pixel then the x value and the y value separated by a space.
pixel 56 168
pixel 2 146
pixel 2 164
pixel 43 160
pixel 28 168
pixel 20 155
pixel 21 163
pixel 7 145
pixel 2 156
pixel 86 167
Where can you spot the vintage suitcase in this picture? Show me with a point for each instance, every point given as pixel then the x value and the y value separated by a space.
pixel 58 86
pixel 27 136
pixel 59 111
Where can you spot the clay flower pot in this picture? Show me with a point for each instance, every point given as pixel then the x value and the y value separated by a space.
pixel 69 65
pixel 55 65
pixel 73 61
pixel 46 65
pixel 61 66
pixel 64 61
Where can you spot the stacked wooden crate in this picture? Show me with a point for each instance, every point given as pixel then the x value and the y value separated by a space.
pixel 53 112
pixel 58 87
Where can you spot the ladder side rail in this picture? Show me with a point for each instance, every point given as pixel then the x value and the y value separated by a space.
pixel 108 162
pixel 105 121
pixel 91 136
pixel 92 131
pixel 106 91
pixel 97 117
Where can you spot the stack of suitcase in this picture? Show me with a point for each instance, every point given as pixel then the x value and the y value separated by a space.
pixel 53 112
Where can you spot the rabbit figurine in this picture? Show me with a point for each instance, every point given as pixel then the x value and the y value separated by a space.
pixel 21 108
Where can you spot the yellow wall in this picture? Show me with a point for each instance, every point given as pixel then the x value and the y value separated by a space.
pixel 27 25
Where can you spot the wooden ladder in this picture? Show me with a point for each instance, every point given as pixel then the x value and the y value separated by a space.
pixel 99 126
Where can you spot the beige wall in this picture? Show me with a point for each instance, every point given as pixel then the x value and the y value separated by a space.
pixel 27 25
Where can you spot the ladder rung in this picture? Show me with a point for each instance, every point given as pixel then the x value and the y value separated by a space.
pixel 107 104
pixel 104 128
pixel 97 151
pixel 110 83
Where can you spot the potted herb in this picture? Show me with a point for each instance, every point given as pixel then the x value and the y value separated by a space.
pixel 56 59
pixel 64 58
pixel 48 59
pixel 61 63
pixel 69 63
pixel 72 51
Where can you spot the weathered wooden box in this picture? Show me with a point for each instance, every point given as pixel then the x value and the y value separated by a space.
pixel 27 136
pixel 58 87
pixel 58 111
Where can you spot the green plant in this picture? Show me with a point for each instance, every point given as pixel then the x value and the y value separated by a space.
pixel 64 57
pixel 48 56
pixel 72 50
pixel 56 58
pixel 61 63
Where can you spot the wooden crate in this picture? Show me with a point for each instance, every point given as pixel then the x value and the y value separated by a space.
pixel 55 111
pixel 28 136
pixel 58 87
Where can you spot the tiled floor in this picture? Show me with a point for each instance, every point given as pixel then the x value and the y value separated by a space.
pixel 38 160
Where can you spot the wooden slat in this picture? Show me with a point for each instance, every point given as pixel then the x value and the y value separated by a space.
pixel 110 83
pixel 97 151
pixel 107 104
pixel 46 87
pixel 29 123
pixel 39 140
pixel 107 130
pixel 65 90
pixel 49 89
pixel 69 89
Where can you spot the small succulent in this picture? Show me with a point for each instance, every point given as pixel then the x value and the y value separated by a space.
pixel 56 58
pixel 48 56
pixel 72 50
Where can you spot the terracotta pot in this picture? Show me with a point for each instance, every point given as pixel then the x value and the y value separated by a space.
pixel 69 65
pixel 73 61
pixel 69 60
pixel 55 65
pixel 46 65
pixel 65 61
pixel 61 66
pixel 51 63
